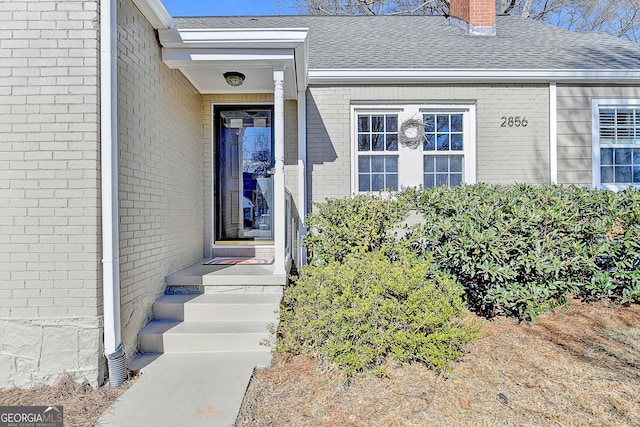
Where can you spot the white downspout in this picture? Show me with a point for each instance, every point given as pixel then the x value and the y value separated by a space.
pixel 553 133
pixel 109 180
pixel 302 169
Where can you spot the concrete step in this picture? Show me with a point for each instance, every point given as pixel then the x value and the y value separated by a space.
pixel 164 336
pixel 218 306
pixel 228 278
pixel 255 250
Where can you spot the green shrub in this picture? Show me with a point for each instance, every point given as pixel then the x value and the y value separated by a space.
pixel 361 223
pixel 361 310
pixel 520 249
pixel 516 249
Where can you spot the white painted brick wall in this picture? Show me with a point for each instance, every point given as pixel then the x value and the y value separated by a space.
pixel 49 189
pixel 504 155
pixel 161 170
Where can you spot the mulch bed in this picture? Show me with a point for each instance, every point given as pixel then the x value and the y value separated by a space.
pixel 82 404
pixel 576 366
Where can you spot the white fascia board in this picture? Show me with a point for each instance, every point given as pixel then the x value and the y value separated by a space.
pixel 301 53
pixel 179 58
pixel 156 13
pixel 382 76
pixel 233 38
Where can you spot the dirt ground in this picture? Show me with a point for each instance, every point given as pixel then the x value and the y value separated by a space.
pixel 577 366
pixel 82 404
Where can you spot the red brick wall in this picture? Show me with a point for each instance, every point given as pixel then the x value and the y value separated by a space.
pixel 479 13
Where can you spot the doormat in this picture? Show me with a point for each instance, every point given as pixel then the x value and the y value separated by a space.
pixel 235 260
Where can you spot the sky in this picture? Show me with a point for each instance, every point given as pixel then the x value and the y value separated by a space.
pixel 226 7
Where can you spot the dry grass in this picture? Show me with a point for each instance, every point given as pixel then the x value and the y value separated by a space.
pixel 576 366
pixel 83 405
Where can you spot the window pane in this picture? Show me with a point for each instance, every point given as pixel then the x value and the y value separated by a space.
pixel 456 164
pixel 377 123
pixel 377 164
pixel 429 142
pixel 429 123
pixel 363 164
pixel 624 118
pixel 363 183
pixel 442 164
pixel 392 182
pixel 619 126
pixel 391 164
pixel 622 156
pixel 443 142
pixel 377 173
pixel 443 123
pixel 625 135
pixel 456 123
pixel 636 174
pixel 363 123
pixel 429 181
pixel 606 174
pixel 429 164
pixel 456 142
pixel 392 142
pixel 377 142
pixel 623 174
pixel 607 117
pixel 392 123
pixel 455 179
pixel 377 182
pixel 442 179
pixel 364 143
pixel 636 157
pixel 607 135
pixel 606 156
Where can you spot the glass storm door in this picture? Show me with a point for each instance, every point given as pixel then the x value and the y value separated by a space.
pixel 244 181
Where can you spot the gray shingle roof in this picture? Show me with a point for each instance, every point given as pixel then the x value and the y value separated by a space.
pixel 429 42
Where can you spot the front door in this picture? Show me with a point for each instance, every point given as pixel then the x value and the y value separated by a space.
pixel 244 172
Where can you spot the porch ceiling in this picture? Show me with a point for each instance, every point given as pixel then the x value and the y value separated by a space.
pixel 259 79
pixel 203 56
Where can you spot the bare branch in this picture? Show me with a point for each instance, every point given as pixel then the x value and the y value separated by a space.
pixel 618 17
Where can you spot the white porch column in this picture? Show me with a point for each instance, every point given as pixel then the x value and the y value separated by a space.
pixel 279 213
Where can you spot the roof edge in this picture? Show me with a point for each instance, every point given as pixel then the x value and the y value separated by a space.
pixel 405 76
pixel 156 13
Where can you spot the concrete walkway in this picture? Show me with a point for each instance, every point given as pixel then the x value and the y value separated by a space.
pixel 190 389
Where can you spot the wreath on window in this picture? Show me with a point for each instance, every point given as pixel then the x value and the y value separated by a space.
pixel 411 133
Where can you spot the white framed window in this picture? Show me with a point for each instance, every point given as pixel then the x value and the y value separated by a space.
pixel 377 147
pixel 444 156
pixel 616 143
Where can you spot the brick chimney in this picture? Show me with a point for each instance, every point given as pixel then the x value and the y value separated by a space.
pixel 475 17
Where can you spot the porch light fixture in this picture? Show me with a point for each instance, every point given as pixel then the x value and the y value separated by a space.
pixel 234 78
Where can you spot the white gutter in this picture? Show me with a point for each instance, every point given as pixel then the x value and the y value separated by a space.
pixel 156 13
pixel 302 169
pixel 406 76
pixel 255 38
pixel 553 133
pixel 109 182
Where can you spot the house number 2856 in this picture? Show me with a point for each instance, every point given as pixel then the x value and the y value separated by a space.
pixel 512 121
